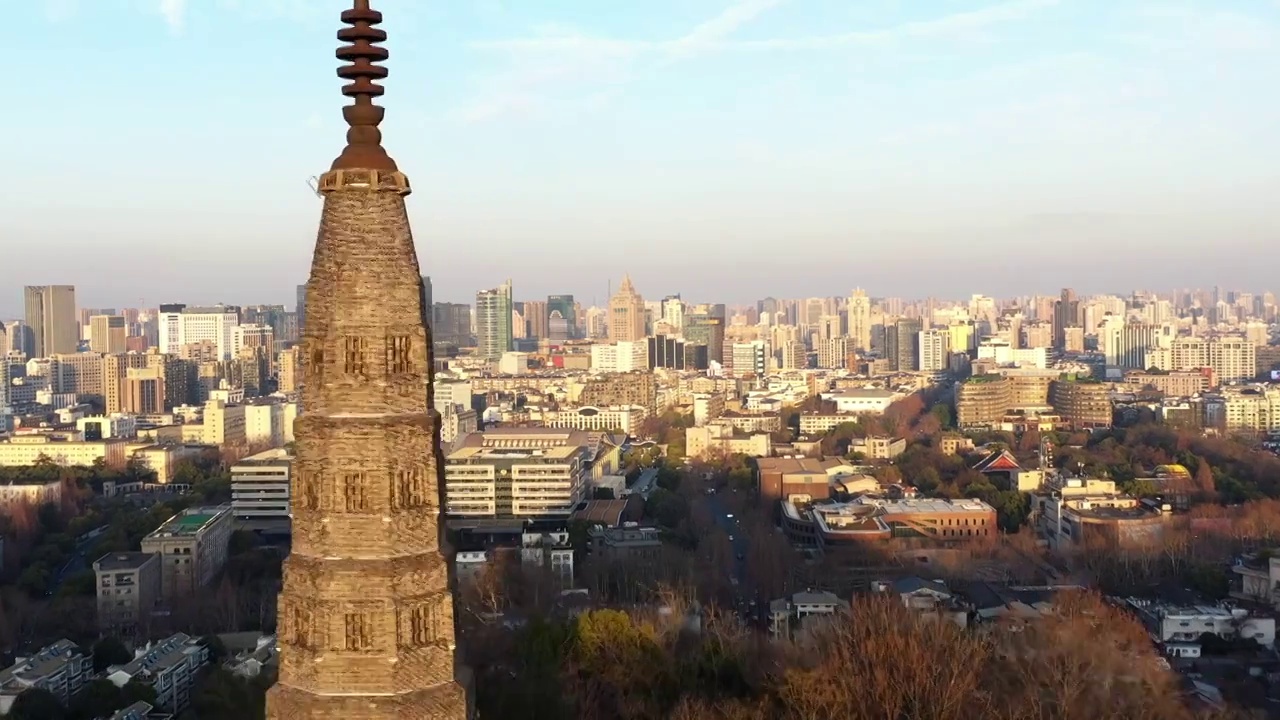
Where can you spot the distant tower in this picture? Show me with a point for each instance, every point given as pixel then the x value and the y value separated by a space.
pixel 366 629
pixel 626 313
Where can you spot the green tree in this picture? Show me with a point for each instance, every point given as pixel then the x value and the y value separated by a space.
pixel 37 704
pixel 98 698
pixel 109 651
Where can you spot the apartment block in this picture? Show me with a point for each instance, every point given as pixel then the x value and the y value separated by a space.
pixel 61 669
pixel 192 546
pixel 168 666
pixel 128 590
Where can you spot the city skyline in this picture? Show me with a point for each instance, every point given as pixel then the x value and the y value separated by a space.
pixel 694 130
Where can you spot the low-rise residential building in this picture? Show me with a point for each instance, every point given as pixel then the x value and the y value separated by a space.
pixel 168 666
pixel 61 669
pixel 192 546
pixel 878 447
pixel 128 586
pixel 1256 578
pixel 1181 624
pixel 786 615
pixel 551 550
pixel 625 544
pixel 260 485
pixel 140 710
pixel 33 493
pixel 928 598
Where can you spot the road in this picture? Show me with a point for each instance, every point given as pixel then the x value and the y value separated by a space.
pixel 645 484
pixel 746 599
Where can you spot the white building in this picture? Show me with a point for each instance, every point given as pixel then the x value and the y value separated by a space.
pixel 862 400
pixel 260 485
pixel 934 346
pixel 1172 623
pixel 269 423
pixel 181 325
pixel 625 419
pixel 622 356
pixel 169 666
pixel 517 473
pixel 61 669
pixel 117 425
pixel 550 550
pixel 1003 353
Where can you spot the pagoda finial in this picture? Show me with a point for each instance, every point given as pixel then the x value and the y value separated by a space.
pixel 364 141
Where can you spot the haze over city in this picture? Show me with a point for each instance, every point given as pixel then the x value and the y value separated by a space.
pixel 896 142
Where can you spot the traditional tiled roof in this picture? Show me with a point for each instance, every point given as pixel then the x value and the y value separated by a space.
pixel 999 461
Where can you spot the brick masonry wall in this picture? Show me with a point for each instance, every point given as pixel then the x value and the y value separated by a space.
pixel 366 618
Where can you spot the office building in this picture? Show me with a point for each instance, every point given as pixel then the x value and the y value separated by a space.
pixel 902 347
pixel 567 308
pixel 626 313
pixel 260 486
pixel 192 546
pixel 51 317
pixel 107 333
pixel 129 588
pixel 535 318
pixel 859 313
pixel 180 325
pixel 507 473
pixel 144 392
pixel 494 314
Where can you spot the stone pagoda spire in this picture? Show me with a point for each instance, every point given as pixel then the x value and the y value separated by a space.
pixel 366 629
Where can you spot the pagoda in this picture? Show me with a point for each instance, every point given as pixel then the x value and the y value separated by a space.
pixel 366 616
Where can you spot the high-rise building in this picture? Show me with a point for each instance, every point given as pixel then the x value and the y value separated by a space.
pixel 535 318
pixel 1066 313
pixel 902 347
pixel 366 626
pixel 859 312
pixel 107 333
pixel 181 325
pixel 144 391
pixel 933 350
pixel 626 313
pixel 51 315
pixel 568 309
pixel 300 307
pixel 493 322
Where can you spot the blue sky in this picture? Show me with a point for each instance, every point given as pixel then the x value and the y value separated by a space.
pixel 159 150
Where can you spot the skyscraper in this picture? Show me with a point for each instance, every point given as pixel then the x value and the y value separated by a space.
pixel 107 333
pixel 1066 313
pixel 366 614
pixel 568 309
pixel 51 315
pixel 300 309
pixel 493 322
pixel 860 320
pixel 626 313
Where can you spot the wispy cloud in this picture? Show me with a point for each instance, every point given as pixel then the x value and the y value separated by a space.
pixel 174 13
pixel 562 57
pixel 60 10
pixel 715 34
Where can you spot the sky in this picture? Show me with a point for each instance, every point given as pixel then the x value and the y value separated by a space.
pixel 160 150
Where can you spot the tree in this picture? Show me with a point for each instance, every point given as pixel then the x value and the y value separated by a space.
pixel 1204 481
pixel 37 704
pixel 109 651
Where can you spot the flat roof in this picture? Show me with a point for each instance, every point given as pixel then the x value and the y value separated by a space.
pixel 190 522
pixel 115 562
pixel 556 452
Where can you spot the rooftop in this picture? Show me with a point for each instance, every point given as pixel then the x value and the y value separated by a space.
pixel 190 522
pixel 274 456
pixel 116 562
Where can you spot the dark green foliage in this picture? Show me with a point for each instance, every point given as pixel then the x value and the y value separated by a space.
pixel 109 651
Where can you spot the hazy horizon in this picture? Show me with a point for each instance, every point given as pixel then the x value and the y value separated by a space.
pixel 801 148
